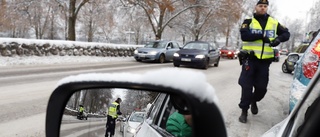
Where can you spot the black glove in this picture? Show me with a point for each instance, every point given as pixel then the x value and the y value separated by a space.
pixel 275 42
pixel 266 40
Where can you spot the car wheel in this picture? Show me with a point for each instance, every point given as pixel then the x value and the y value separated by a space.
pixel 176 65
pixel 206 64
pixel 285 68
pixel 162 58
pixel 139 60
pixel 217 64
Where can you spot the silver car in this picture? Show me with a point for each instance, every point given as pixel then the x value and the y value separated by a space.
pixel 160 51
pixel 131 124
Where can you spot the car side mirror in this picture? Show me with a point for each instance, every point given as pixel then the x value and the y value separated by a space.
pixel 97 91
pixel 293 58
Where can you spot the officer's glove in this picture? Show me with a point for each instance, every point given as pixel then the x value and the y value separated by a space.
pixel 266 40
pixel 275 42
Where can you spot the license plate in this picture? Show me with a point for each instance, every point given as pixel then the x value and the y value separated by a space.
pixel 185 59
pixel 142 55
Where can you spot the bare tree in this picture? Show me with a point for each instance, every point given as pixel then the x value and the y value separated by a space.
pixel 160 12
pixel 72 14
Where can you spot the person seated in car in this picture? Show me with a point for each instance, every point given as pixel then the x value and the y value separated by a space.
pixel 179 123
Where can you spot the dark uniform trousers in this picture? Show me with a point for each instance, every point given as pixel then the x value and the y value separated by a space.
pixel 111 125
pixel 254 75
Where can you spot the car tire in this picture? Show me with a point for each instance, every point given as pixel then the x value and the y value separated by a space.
pixel 139 60
pixel 162 58
pixel 176 65
pixel 206 64
pixel 285 68
pixel 217 64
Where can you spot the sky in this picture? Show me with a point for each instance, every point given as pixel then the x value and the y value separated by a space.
pixel 294 9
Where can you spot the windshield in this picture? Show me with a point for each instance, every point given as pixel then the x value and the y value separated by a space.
pixel 199 46
pixel 137 117
pixel 156 44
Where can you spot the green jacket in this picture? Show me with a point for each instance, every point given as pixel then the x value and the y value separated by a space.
pixel 177 126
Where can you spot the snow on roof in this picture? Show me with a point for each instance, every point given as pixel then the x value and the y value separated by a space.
pixel 178 78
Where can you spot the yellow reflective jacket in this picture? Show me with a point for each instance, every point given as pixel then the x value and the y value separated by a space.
pixel 270 31
pixel 112 111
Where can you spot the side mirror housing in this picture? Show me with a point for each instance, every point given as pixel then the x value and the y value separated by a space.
pixel 203 105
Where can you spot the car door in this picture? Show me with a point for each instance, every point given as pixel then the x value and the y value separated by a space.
pixel 213 54
pixel 172 47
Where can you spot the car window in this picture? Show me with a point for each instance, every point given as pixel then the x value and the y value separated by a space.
pixel 159 114
pixel 175 45
pixel 170 45
pixel 156 44
pixel 137 117
pixel 306 109
pixel 199 46
pixel 157 105
pixel 302 48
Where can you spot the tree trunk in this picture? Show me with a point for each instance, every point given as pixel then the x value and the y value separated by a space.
pixel 90 32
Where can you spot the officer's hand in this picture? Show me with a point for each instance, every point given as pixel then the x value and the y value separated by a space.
pixel 275 42
pixel 266 40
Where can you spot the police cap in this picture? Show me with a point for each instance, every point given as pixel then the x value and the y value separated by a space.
pixel 263 2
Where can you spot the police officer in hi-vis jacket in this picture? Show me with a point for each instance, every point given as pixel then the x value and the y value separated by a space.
pixel 113 112
pixel 259 35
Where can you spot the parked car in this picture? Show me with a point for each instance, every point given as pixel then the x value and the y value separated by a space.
pixel 276 55
pixel 291 60
pixel 202 106
pixel 131 124
pixel 284 52
pixel 198 54
pixel 160 51
pixel 305 69
pixel 229 52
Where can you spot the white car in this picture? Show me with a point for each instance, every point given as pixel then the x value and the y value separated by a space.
pixel 131 124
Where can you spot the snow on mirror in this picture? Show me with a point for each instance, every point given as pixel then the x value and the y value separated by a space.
pixel 87 111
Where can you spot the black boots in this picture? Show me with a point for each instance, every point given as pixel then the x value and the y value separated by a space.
pixel 243 117
pixel 254 108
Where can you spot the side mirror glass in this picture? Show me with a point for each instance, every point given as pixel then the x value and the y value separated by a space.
pixel 96 101
pixel 293 58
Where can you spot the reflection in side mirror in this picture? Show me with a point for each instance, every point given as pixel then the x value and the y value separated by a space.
pixel 97 103
pixel 293 58
pixel 97 94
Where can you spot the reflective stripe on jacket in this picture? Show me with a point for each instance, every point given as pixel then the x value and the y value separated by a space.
pixel 112 111
pixel 270 31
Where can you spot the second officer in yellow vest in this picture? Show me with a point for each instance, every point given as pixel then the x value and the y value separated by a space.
pixel 259 34
pixel 113 112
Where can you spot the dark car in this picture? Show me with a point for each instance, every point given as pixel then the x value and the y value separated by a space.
pixel 229 52
pixel 160 51
pixel 276 55
pixel 291 60
pixel 198 54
